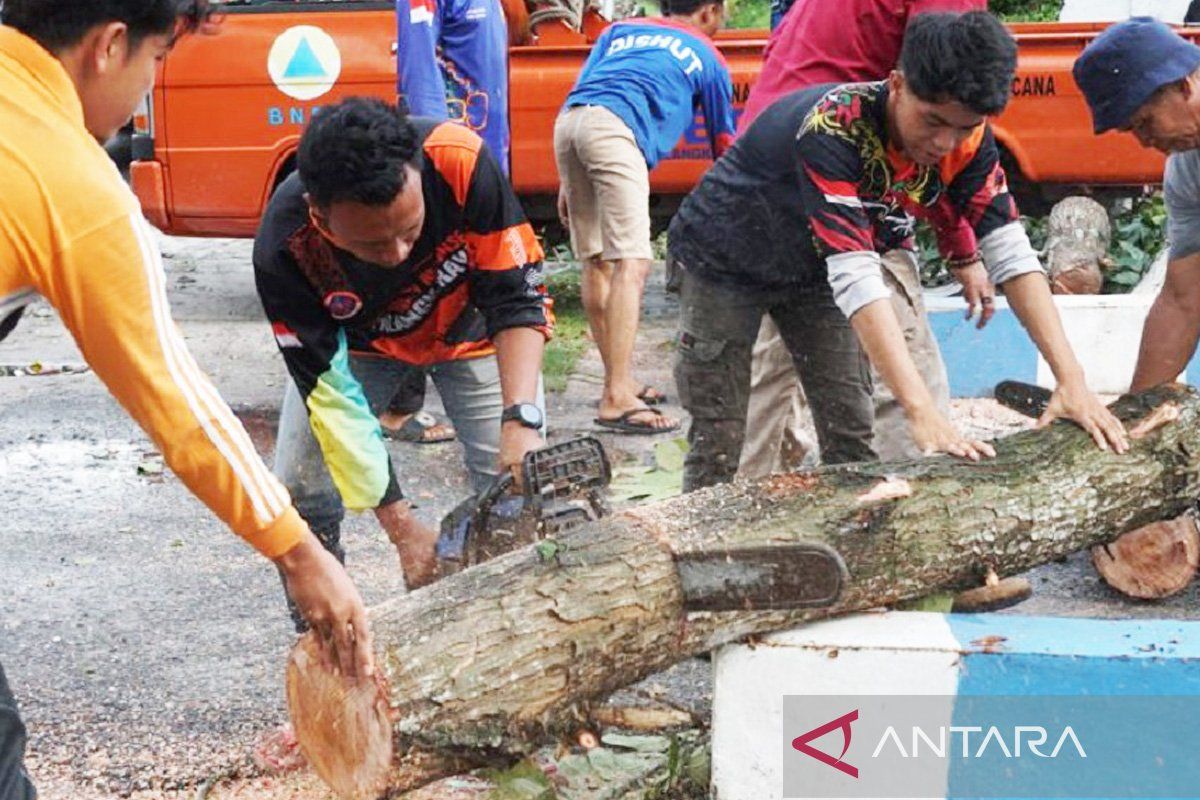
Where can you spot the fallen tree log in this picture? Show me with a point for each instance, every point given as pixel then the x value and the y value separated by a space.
pixel 488 663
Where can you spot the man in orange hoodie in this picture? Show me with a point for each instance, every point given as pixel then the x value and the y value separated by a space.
pixel 71 231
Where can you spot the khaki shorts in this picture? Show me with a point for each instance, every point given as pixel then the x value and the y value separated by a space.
pixel 604 175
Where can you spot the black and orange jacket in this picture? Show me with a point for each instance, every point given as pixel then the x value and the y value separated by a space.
pixel 475 270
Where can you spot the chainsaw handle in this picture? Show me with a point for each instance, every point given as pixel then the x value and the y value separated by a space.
pixel 495 490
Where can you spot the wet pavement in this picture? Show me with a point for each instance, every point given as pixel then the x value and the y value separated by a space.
pixel 146 643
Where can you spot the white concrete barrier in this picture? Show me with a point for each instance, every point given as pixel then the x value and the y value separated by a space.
pixel 1104 330
pixel 849 673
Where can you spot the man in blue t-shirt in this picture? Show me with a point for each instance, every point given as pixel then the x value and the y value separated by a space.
pixel 452 58
pixel 452 63
pixel 638 93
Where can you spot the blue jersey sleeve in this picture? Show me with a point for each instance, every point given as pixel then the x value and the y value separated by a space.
pixel 716 100
pixel 420 84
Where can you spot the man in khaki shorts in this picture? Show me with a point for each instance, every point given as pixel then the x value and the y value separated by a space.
pixel 633 100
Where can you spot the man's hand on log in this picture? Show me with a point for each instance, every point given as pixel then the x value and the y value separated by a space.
pixel 329 601
pixel 933 433
pixel 416 543
pixel 1074 401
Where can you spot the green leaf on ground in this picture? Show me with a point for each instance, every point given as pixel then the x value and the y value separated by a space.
pixel 642 744
pixel 940 602
pixel 547 549
pixel 669 455
pixel 525 781
pixel 663 481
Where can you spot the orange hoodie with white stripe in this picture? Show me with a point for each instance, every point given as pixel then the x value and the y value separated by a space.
pixel 71 231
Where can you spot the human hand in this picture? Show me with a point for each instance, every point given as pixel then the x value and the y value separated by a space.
pixel 977 291
pixel 415 543
pixel 933 433
pixel 564 215
pixel 330 602
pixel 1074 401
pixel 515 441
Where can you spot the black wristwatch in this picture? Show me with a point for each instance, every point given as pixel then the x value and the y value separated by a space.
pixel 527 414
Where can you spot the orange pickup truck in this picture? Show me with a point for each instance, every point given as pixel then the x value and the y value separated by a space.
pixel 220 129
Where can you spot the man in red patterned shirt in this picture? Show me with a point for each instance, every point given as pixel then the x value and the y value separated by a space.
pixel 793 222
pixel 819 43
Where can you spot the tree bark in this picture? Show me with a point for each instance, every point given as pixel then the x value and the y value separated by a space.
pixel 493 661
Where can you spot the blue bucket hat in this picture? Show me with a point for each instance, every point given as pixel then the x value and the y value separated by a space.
pixel 1126 64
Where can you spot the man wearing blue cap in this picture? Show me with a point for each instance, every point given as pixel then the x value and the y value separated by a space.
pixel 1141 77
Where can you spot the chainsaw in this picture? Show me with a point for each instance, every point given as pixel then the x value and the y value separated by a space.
pixel 562 487
pixel 1024 398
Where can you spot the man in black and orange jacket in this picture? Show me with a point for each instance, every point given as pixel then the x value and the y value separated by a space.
pixel 399 243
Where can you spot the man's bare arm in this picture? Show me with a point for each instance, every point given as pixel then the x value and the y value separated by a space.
pixel 1173 327
pixel 881 337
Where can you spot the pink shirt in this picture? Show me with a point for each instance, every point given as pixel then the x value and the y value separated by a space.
pixel 836 41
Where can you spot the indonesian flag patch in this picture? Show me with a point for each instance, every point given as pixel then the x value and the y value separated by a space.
pixel 285 336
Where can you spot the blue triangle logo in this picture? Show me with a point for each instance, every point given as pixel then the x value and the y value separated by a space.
pixel 304 63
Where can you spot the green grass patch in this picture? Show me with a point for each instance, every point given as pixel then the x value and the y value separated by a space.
pixel 570 340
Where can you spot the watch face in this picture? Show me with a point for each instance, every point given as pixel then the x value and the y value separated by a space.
pixel 530 415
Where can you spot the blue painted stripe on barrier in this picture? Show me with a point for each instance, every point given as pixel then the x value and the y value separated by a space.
pixel 1072 636
pixel 988 684
pixel 1070 657
pixel 976 360
pixel 1192 373
pixel 999 674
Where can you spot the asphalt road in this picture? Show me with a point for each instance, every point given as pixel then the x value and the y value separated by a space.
pixel 145 642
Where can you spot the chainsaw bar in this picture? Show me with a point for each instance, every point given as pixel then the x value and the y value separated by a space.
pixel 1024 398
pixel 775 578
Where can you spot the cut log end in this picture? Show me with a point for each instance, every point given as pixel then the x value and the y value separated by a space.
pixel 1152 562
pixel 342 727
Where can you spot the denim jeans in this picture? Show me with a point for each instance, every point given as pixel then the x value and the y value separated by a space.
pixel 718 329
pixel 470 391
pixel 14 781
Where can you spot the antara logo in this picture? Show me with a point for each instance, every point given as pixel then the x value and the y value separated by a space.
pixel 1032 736
pixel 942 743
pixel 801 743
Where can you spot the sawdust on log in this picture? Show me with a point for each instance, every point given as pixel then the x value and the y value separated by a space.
pixel 887 489
pixel 1158 418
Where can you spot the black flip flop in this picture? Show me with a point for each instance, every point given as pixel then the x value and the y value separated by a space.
pixel 414 430
pixel 651 396
pixel 624 423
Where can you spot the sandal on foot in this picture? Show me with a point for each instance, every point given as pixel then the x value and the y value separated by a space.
pixel 651 396
pixel 626 424
pixel 420 429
